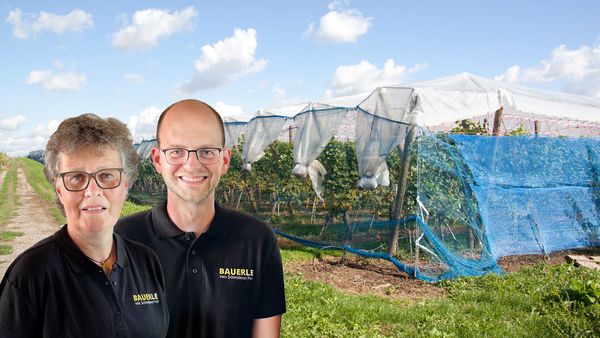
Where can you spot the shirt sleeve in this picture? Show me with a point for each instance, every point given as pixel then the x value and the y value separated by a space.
pixel 18 317
pixel 272 290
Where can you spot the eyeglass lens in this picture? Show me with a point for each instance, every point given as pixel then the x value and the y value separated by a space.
pixel 179 156
pixel 80 180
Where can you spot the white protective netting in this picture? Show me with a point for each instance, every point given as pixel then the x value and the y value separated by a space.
pixel 261 131
pixel 317 125
pixel 383 121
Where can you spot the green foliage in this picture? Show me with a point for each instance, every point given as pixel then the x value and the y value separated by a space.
pixel 339 159
pixel 520 130
pixel 34 171
pixel 4 159
pixel 148 188
pixel 469 127
pixel 586 292
pixel 270 182
pixel 130 208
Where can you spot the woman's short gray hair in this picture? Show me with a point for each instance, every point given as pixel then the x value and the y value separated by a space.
pixel 89 131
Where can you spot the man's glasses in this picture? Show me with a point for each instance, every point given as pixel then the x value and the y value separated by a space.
pixel 79 180
pixel 179 156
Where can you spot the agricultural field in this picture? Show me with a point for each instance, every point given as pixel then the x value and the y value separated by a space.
pixel 331 294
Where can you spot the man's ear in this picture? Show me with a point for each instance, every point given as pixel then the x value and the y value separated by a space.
pixel 226 159
pixel 155 154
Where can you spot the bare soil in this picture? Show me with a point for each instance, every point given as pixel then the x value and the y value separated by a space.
pixel 32 218
pixel 357 275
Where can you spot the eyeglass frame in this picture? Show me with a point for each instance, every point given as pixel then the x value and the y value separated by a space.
pixel 91 175
pixel 198 157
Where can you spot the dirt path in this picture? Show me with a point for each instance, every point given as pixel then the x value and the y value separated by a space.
pixel 32 218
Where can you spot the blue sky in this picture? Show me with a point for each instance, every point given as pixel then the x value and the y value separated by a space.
pixel 131 59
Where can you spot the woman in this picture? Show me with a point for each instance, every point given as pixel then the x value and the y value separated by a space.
pixel 85 281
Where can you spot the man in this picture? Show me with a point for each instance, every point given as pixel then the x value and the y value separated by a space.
pixel 223 270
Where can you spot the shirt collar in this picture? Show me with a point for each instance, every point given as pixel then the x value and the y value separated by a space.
pixel 164 226
pixel 79 262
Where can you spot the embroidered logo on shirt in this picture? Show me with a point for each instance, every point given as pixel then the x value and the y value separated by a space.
pixel 236 273
pixel 145 298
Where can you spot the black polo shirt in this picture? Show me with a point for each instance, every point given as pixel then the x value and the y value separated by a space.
pixel 218 283
pixel 54 290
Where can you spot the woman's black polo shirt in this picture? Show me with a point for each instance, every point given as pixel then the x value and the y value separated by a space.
pixel 218 283
pixel 54 290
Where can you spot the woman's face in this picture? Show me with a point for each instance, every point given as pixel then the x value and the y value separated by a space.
pixel 92 210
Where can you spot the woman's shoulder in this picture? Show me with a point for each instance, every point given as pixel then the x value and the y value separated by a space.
pixel 40 257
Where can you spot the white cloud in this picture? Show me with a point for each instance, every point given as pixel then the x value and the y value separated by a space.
pixel 364 77
pixel 76 21
pixel 133 78
pixel 20 30
pixel 150 25
pixel 50 81
pixel 226 61
pixel 279 91
pixel 578 68
pixel 58 64
pixel 226 110
pixel 340 24
pixel 12 123
pixel 143 125
pixel 44 131
pixel 18 145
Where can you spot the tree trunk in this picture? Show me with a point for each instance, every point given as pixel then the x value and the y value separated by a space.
pixel 325 224
pixel 239 200
pixel 403 181
pixel 348 222
pixel 497 121
pixel 253 202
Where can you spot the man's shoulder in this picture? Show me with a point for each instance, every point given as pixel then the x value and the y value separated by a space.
pixel 245 223
pixel 139 251
pixel 133 224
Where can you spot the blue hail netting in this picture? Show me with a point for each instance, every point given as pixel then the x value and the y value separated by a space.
pixel 535 194
pixel 474 199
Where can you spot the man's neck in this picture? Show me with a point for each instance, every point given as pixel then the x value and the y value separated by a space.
pixel 191 217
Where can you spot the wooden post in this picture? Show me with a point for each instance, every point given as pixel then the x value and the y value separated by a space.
pixel 536 127
pixel 291 134
pixel 497 121
pixel 403 181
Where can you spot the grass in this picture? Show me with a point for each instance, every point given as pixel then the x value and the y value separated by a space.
pixel 8 204
pixel 132 208
pixel 5 236
pixel 8 195
pixel 34 171
pixel 5 249
pixel 10 235
pixel 529 303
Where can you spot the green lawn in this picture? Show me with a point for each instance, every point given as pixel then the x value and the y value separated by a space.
pixel 539 301
pixel 8 196
pixel 34 171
